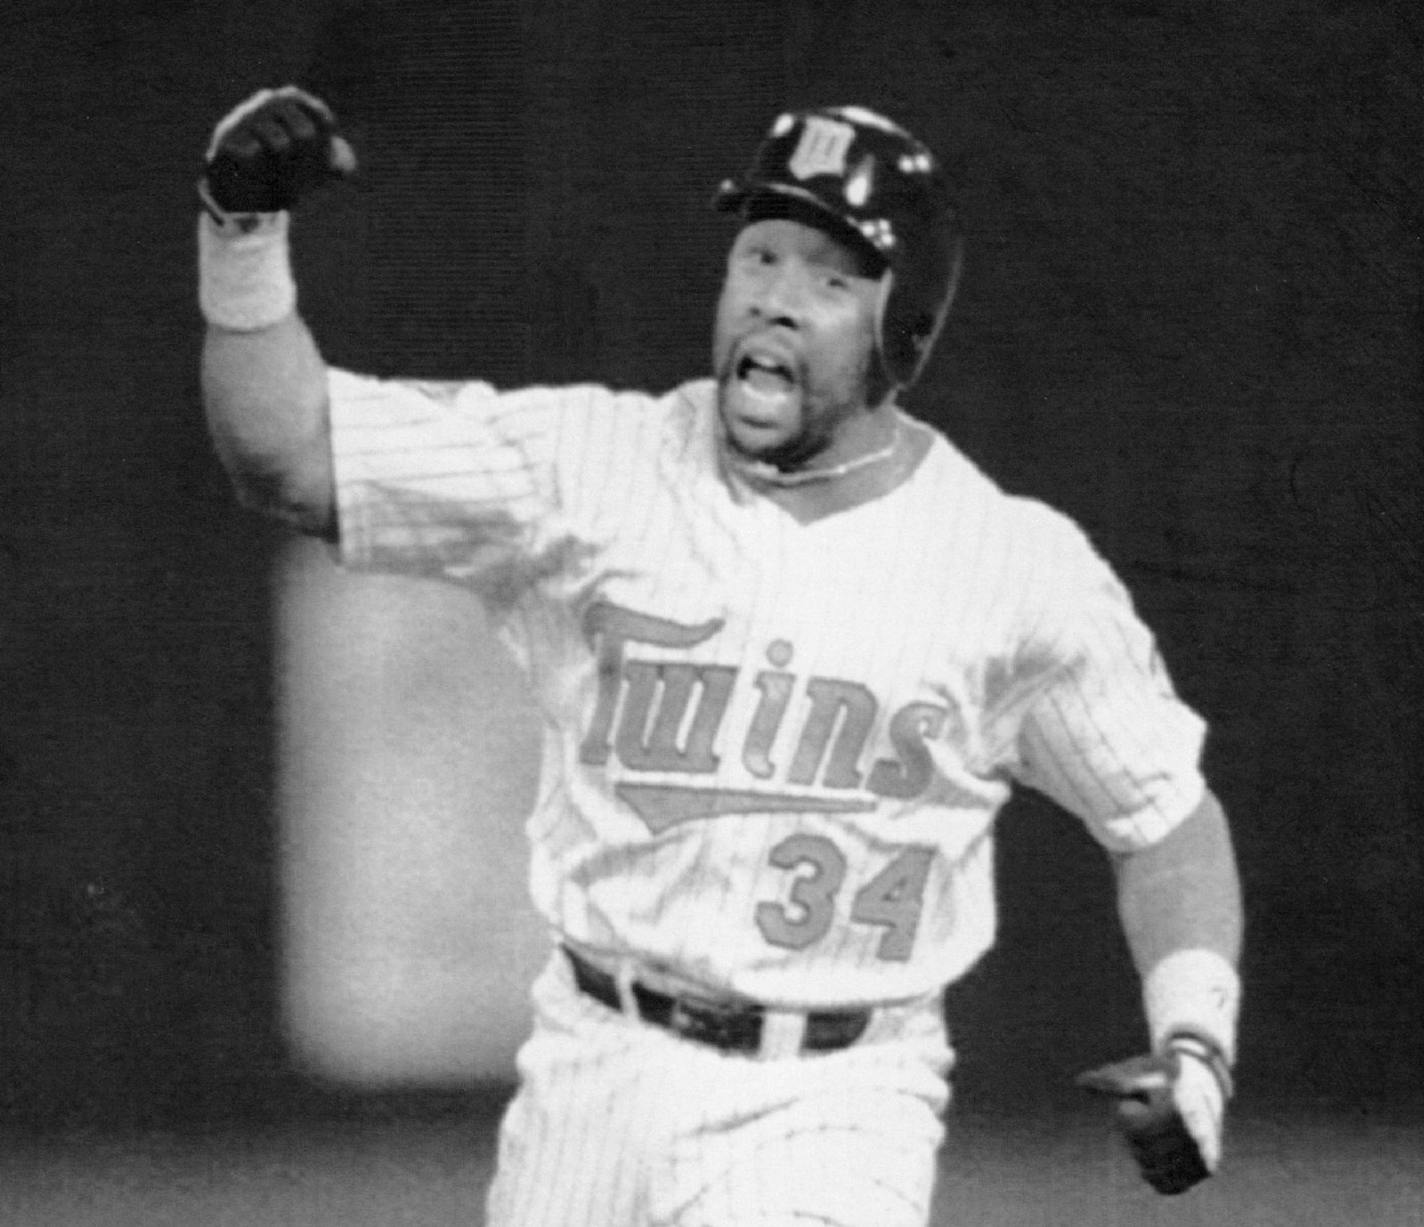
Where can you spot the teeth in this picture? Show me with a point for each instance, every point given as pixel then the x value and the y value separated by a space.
pixel 753 362
pixel 766 396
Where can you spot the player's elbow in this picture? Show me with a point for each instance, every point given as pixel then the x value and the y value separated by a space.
pixel 305 508
pixel 278 463
pixel 293 485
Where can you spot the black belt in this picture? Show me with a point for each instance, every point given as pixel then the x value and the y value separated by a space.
pixel 732 1028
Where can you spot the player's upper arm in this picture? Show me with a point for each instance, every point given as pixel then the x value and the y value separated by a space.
pixel 453 481
pixel 1103 731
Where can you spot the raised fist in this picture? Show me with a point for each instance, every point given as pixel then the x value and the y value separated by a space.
pixel 270 151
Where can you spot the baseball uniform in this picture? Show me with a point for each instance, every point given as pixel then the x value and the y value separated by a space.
pixel 773 752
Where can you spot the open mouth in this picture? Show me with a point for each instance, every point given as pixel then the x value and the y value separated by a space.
pixel 765 376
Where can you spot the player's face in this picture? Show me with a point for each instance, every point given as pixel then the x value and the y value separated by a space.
pixel 794 344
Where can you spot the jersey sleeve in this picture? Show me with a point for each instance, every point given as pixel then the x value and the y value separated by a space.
pixel 1102 730
pixel 452 481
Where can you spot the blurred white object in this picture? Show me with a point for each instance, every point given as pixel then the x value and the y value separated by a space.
pixel 407 763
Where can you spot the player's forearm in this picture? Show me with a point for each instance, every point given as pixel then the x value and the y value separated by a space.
pixel 1180 904
pixel 264 380
pixel 1183 893
pixel 265 394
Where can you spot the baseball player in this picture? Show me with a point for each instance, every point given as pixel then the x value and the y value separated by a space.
pixel 792 651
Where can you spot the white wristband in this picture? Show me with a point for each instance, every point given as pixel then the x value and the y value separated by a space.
pixel 245 271
pixel 1194 992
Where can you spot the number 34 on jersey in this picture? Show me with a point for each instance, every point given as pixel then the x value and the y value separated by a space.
pixel 662 716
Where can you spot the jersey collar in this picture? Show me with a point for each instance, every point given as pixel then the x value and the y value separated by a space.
pixel 812 501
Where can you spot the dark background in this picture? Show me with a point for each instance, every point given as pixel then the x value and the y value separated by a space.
pixel 1191 317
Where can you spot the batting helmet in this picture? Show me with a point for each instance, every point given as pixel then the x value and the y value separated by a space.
pixel 877 184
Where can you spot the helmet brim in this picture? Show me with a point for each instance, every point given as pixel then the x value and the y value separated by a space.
pixel 755 201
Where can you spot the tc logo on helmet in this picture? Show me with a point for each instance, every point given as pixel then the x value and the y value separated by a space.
pixel 822 148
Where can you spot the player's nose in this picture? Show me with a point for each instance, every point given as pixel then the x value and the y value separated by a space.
pixel 781 296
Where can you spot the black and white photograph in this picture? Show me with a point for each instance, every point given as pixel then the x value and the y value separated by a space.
pixel 799 614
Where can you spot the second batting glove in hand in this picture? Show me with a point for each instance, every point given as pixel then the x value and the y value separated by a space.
pixel 1169 1107
pixel 270 151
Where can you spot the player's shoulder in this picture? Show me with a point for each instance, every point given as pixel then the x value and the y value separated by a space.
pixel 613 409
pixel 1048 529
pixel 657 427
pixel 529 408
pixel 1023 532
pixel 597 435
pixel 1058 553
pixel 951 473
pixel 645 424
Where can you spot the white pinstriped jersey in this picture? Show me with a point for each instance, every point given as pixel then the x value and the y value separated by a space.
pixel 773 750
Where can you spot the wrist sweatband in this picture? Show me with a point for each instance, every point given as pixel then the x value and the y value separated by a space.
pixel 245 270
pixel 1209 1055
pixel 1196 993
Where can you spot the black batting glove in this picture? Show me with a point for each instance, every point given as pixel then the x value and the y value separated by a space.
pixel 270 151
pixel 1169 1107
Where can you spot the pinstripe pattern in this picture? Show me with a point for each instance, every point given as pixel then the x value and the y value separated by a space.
pixel 992 613
pixel 618 1124
pixel 774 750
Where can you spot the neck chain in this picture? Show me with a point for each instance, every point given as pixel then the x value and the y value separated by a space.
pixel 799 477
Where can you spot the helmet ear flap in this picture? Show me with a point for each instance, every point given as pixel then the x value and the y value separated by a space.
pixel 883 382
pixel 904 340
pixel 912 318
pixel 903 335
